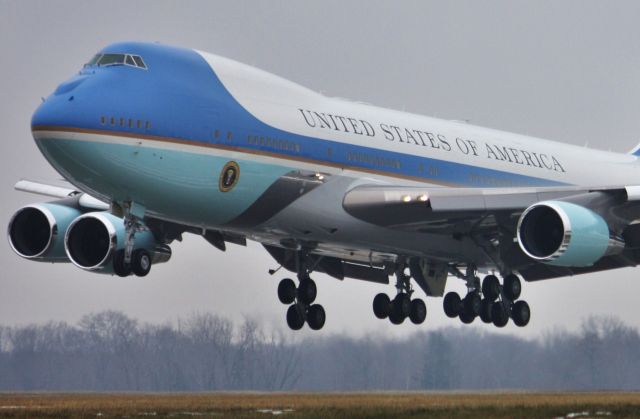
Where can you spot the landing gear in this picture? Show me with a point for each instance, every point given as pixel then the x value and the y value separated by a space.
pixel 301 298
pixel 402 306
pixel 127 261
pixel 492 302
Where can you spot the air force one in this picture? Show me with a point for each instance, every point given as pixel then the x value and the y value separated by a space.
pixel 157 141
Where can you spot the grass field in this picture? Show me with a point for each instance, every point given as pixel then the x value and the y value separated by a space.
pixel 323 405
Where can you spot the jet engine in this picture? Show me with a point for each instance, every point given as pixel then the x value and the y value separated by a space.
pixel 565 234
pixel 37 231
pixel 95 240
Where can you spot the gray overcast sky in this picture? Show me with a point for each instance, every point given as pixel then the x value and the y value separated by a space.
pixel 563 70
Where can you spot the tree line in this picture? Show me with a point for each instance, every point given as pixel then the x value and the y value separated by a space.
pixel 110 351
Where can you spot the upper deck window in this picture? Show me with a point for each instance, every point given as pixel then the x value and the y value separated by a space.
pixel 103 60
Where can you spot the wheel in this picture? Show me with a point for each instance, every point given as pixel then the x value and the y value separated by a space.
pixel 395 317
pixel 491 287
pixel 119 267
pixel 418 311
pixel 287 291
pixel 295 317
pixel 381 306
pixel 512 287
pixel 499 315
pixel 307 291
pixel 485 310
pixel 467 318
pixel 401 305
pixel 316 317
pixel 521 313
pixel 452 304
pixel 471 304
pixel 141 262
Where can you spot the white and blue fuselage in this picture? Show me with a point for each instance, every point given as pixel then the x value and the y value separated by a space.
pixel 162 132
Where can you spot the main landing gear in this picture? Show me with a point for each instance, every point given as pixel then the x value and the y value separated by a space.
pixel 402 306
pixel 493 302
pixel 300 300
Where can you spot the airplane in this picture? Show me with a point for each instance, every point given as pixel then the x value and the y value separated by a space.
pixel 156 141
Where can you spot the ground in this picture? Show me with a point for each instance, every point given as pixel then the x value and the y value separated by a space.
pixel 323 405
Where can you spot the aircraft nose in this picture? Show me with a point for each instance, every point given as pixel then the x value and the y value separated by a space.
pixel 62 107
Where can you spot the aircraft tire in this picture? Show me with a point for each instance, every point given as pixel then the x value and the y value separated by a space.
pixel 471 304
pixel 499 315
pixel 467 318
pixel 485 310
pixel 119 267
pixel 521 313
pixel 316 317
pixel 287 291
pixel 307 291
pixel 382 306
pixel 512 287
pixel 141 262
pixel 395 317
pixel 491 287
pixel 295 317
pixel 452 304
pixel 418 311
pixel 401 305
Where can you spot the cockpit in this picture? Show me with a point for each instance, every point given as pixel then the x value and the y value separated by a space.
pixel 104 60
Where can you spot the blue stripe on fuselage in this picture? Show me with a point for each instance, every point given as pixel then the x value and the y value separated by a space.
pixel 182 98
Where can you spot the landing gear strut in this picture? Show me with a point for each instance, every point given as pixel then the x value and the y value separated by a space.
pixel 127 261
pixel 402 306
pixel 300 300
pixel 492 302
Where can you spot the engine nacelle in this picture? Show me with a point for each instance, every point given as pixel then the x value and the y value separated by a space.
pixel 93 238
pixel 37 231
pixel 565 234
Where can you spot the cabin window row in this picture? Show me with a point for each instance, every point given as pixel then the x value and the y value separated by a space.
pixel 365 158
pixel 274 143
pixel 125 122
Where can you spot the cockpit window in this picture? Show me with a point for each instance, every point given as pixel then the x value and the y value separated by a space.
pixel 94 60
pixel 111 59
pixel 103 60
pixel 139 62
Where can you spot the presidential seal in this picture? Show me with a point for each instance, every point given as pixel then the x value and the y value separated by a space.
pixel 229 176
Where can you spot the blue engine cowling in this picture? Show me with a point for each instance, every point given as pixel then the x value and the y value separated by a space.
pixel 37 231
pixel 565 234
pixel 93 238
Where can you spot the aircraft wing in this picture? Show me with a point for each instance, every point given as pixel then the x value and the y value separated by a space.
pixel 489 216
pixel 39 188
pixel 426 209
